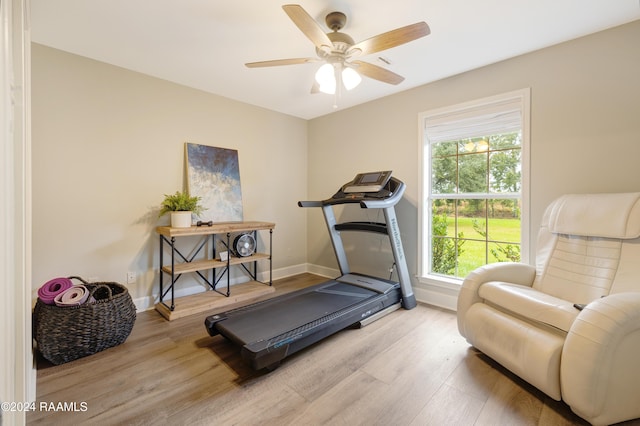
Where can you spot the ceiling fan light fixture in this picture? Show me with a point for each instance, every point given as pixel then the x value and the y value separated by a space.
pixel 325 77
pixel 329 75
pixel 350 78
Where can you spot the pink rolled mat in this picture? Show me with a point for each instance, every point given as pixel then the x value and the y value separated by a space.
pixel 76 295
pixel 52 288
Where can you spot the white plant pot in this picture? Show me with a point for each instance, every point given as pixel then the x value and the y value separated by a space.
pixel 180 219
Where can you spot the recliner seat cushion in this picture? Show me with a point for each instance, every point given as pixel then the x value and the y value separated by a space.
pixel 529 303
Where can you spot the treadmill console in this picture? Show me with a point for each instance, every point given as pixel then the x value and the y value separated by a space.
pixel 370 190
pixel 367 182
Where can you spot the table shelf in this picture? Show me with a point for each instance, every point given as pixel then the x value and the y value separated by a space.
pixel 210 268
pixel 203 265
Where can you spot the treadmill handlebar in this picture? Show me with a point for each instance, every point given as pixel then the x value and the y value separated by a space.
pixel 387 197
pixel 309 203
pixel 392 200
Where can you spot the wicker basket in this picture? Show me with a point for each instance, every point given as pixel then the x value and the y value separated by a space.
pixel 71 332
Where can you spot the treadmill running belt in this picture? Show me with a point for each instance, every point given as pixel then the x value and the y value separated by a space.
pixel 265 322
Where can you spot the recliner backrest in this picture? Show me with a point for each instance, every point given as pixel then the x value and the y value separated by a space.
pixel 588 246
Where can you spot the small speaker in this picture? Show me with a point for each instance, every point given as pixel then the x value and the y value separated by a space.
pixel 244 245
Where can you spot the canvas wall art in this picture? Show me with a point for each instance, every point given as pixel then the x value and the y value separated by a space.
pixel 214 175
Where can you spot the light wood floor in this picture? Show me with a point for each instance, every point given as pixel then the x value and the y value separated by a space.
pixel 409 368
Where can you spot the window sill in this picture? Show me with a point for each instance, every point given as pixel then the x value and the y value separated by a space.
pixel 439 281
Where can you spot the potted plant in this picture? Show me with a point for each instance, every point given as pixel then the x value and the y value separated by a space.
pixel 181 206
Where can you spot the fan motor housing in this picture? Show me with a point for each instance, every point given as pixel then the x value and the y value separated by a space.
pixel 341 38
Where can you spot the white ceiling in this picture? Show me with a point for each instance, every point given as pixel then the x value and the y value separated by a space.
pixel 205 43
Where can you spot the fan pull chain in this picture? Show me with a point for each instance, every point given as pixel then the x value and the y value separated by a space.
pixel 338 76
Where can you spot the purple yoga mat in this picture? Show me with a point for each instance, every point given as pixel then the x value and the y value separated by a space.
pixel 52 288
pixel 76 295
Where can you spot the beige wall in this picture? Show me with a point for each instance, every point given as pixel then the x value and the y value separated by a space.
pixel 585 130
pixel 108 143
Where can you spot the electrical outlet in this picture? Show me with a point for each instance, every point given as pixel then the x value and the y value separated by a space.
pixel 131 277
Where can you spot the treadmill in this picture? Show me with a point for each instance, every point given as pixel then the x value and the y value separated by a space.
pixel 271 330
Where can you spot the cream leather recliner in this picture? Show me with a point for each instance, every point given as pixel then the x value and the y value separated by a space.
pixel 588 252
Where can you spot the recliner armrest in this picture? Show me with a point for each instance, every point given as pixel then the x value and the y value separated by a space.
pixel 599 372
pixel 515 273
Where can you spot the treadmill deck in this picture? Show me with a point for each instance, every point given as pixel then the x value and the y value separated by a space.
pixel 270 330
pixel 265 322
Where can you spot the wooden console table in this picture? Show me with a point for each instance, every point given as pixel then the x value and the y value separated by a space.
pixel 180 264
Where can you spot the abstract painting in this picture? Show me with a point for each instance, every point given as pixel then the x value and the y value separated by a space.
pixel 214 175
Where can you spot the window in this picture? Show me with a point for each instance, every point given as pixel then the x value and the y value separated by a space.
pixel 474 186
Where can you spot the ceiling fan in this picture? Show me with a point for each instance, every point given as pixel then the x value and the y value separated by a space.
pixel 337 50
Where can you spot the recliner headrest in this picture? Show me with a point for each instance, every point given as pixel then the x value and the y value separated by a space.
pixel 614 215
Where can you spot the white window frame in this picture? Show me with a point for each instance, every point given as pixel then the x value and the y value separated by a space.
pixel 522 97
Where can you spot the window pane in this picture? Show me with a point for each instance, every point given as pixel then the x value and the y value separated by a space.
pixel 505 141
pixel 504 220
pixel 471 145
pixel 443 175
pixel 471 225
pixel 504 252
pixel 444 149
pixel 505 171
pixel 504 230
pixel 468 211
pixel 444 244
pixel 444 168
pixel 444 255
pixel 472 172
pixel 443 218
pixel 473 254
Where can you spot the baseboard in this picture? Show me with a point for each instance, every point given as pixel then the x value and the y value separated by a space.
pixel 437 296
pixel 323 271
pixel 149 302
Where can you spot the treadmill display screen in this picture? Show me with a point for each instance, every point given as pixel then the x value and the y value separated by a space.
pixel 368 182
pixel 370 177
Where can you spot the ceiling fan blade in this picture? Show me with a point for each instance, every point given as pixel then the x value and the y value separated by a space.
pixel 391 39
pixel 308 25
pixel 279 62
pixel 377 73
